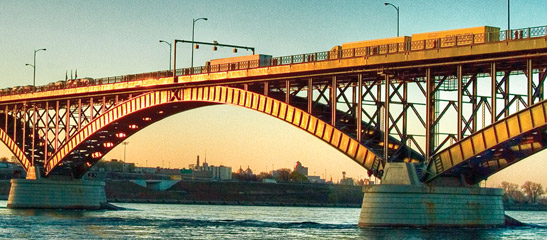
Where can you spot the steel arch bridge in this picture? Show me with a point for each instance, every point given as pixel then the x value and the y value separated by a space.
pixel 427 99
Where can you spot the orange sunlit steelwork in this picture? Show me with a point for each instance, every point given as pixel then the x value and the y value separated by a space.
pixel 355 97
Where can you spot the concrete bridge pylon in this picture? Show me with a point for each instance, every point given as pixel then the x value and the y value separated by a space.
pixel 402 200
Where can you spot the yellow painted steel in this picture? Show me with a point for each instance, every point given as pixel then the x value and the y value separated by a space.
pixel 511 127
pixel 376 42
pixel 483 47
pixel 287 113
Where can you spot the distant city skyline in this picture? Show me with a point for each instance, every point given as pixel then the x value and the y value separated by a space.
pixel 110 38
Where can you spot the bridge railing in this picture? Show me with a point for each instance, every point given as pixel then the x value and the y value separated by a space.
pixel 336 53
pixel 523 33
pixel 451 41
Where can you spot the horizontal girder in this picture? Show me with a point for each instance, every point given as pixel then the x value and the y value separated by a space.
pixel 87 146
pixel 360 104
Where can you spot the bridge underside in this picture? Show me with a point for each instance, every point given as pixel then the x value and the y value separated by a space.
pixel 100 135
pixel 97 144
pixel 494 148
pixel 393 107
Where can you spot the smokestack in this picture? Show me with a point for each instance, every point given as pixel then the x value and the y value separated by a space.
pixel 197 162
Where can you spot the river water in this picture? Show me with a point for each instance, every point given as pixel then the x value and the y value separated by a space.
pixel 170 221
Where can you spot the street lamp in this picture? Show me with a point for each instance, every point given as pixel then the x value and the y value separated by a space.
pixel 193 25
pixel 508 15
pixel 124 149
pixel 34 66
pixel 396 8
pixel 161 41
pixel 214 44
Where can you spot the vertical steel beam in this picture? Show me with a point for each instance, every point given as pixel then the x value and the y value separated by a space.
pixel 506 89
pixel 310 95
pixel 459 75
pixel 103 107
pixel 6 118
pixel 333 101
pixel 24 127
pixel 378 104
pixel 266 89
pixel 14 114
pixel 92 109
pixel 359 111
pixel 494 89
pixel 540 86
pixel 405 115
pixel 530 73
pixel 46 137
pixel 34 129
pixel 287 91
pixel 474 114
pixel 79 114
pixel 430 113
pixel 386 119
pixel 56 125
pixel 67 120
pixel 353 98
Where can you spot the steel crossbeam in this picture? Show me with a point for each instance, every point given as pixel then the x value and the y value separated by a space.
pixel 413 111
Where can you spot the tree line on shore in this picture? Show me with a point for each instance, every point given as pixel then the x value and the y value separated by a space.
pixel 281 175
pixel 529 192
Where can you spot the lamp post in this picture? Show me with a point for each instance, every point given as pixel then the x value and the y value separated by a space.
pixel 508 15
pixel 193 25
pixel 161 41
pixel 396 8
pixel 34 66
pixel 214 44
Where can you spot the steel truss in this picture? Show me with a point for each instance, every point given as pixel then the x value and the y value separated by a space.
pixel 423 107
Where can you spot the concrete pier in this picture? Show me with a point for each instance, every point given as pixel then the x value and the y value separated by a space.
pixel 56 194
pixel 402 201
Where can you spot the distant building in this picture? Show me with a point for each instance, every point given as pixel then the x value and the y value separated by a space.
pixel 316 179
pixel 10 170
pixel 301 169
pixel 114 165
pixel 206 172
pixel 347 181
pixel 222 172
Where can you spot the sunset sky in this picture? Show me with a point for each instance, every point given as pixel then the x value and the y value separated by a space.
pixel 110 38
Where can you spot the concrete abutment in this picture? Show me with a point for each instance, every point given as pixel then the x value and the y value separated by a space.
pixel 57 194
pixel 401 201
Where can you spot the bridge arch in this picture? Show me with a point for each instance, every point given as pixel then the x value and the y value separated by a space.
pixel 493 148
pixel 102 134
pixel 16 150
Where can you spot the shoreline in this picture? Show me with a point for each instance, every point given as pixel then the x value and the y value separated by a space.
pixel 246 194
pixel 232 203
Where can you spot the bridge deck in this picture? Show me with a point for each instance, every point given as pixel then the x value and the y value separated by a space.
pixel 342 62
pixel 45 122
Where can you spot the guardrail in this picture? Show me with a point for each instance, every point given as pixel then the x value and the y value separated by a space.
pixel 336 53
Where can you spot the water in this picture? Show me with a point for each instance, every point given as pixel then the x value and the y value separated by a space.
pixel 166 221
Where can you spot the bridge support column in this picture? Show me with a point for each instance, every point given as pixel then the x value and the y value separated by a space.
pixel 402 201
pixel 57 194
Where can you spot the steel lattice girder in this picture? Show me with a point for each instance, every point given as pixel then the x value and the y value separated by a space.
pixel 330 90
pixel 105 131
